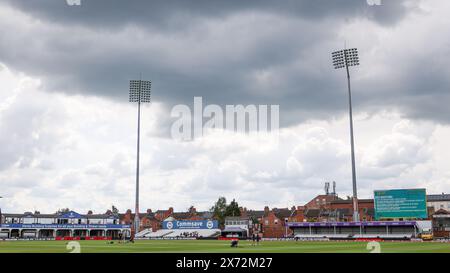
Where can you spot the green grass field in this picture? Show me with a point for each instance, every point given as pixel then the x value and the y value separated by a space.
pixel 202 246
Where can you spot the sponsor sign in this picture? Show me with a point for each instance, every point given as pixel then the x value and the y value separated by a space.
pixel 209 224
pixel 409 203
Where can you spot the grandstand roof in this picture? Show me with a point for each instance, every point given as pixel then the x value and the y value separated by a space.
pixel 57 215
pixel 20 215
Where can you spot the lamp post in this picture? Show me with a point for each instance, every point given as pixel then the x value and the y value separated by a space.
pixel 140 93
pixel 346 58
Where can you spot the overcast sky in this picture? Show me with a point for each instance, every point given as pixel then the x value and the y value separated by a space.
pixel 68 133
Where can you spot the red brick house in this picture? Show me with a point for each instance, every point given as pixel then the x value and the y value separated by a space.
pixel 274 222
pixel 147 220
pixel 163 214
pixel 298 214
pixel 321 201
pixel 344 209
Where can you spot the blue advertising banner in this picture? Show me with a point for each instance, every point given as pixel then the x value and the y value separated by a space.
pixel 210 224
pixel 56 226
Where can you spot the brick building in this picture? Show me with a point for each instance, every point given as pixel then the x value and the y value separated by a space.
pixel 274 222
pixel 321 201
pixel 342 210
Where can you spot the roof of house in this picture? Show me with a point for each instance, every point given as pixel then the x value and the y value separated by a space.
pixel 438 197
pixel 328 198
pixel 59 215
pixel 312 212
pixel 205 214
pixel 255 213
pixel 344 212
pixel 181 215
pixel 442 211
pixel 349 201
pixel 282 213
pixel 236 218
pixel 150 216
pixel 162 211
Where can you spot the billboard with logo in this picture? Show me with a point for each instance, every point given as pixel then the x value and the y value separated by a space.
pixel 408 203
pixel 206 224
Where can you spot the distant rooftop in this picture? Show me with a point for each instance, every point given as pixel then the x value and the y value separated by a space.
pixel 438 197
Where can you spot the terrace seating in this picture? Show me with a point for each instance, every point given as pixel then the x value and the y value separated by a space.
pixel 142 233
pixel 193 233
pixel 158 233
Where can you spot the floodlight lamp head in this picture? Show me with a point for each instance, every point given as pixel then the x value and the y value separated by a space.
pixel 344 58
pixel 140 91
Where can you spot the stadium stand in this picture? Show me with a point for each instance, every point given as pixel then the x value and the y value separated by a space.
pixel 194 233
pixel 142 233
pixel 158 234
pixel 359 230
pixel 183 233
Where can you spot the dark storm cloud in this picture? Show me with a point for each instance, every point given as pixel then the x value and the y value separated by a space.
pixel 229 52
pixel 116 13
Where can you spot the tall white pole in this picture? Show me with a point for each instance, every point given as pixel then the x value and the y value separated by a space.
pixel 352 143
pixel 136 216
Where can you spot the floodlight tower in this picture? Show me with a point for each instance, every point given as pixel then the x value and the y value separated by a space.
pixel 140 93
pixel 1 213
pixel 346 58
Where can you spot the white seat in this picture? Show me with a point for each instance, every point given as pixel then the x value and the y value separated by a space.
pixel 142 233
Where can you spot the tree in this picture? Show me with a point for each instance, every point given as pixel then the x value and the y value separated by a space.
pixel 114 210
pixel 233 209
pixel 62 211
pixel 192 210
pixel 219 209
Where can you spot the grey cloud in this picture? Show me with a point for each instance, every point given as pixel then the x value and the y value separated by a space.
pixel 215 49
pixel 181 13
